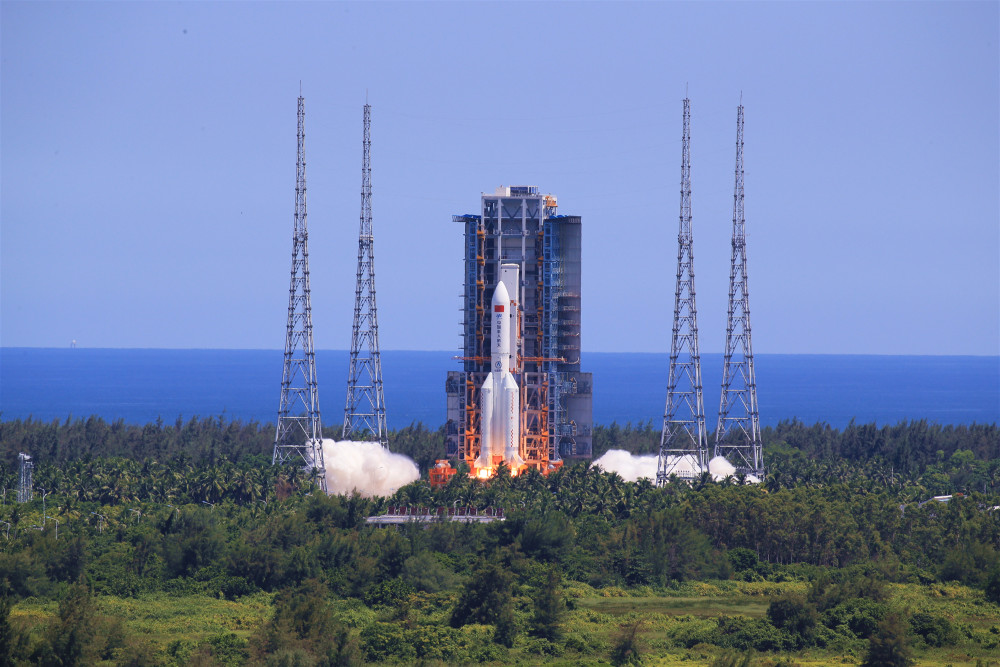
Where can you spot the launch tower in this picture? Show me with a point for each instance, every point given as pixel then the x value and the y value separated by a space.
pixel 519 225
pixel 364 414
pixel 299 436
pixel 683 435
pixel 738 434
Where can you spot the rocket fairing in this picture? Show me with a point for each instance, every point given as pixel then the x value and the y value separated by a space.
pixel 500 400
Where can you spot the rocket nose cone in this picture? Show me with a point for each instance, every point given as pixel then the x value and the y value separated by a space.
pixel 500 295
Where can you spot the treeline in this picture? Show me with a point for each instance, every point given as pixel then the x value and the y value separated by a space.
pixel 198 441
pixel 928 459
pixel 909 448
pixel 214 460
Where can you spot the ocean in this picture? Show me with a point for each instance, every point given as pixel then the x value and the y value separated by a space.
pixel 141 385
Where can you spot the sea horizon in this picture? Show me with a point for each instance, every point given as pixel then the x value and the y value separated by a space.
pixel 141 385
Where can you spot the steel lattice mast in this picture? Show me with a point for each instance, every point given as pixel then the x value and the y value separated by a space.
pixel 738 434
pixel 299 435
pixel 684 419
pixel 364 415
pixel 24 493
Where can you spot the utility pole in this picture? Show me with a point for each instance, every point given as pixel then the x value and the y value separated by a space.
pixel 364 414
pixel 683 435
pixel 737 436
pixel 299 435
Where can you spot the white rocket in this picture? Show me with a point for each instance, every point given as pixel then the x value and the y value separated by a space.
pixel 500 405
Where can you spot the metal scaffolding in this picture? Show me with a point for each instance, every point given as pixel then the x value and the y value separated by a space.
pixel 364 414
pixel 738 434
pixel 299 434
pixel 520 225
pixel 683 435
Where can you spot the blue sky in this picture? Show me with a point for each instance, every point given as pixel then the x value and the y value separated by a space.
pixel 148 166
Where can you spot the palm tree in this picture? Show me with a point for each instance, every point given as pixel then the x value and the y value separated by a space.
pixel 773 482
pixel 703 480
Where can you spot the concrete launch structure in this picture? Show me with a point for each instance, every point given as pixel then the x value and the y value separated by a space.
pixel 520 240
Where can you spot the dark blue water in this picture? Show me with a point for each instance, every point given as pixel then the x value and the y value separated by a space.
pixel 141 385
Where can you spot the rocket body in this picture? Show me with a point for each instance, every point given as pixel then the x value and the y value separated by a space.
pixel 499 397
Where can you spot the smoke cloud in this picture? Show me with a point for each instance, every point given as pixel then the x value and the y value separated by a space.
pixel 633 468
pixel 366 467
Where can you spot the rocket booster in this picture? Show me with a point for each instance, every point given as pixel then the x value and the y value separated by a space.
pixel 500 399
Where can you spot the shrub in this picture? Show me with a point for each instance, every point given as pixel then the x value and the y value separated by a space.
pixel 937 631
pixel 388 592
pixel 992 587
pixel 861 616
pixel 383 641
pixel 548 538
pixel 425 573
pixel 970 564
pixel 505 630
pixel 228 649
pixel 232 587
pixel 742 559
pixel 486 593
pixel 794 615
pixel 303 621
pixel 730 659
pixel 887 647
pixel 743 634
pixel 13 642
pixel 546 622
pixel 627 648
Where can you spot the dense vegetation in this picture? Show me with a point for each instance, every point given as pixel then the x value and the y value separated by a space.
pixel 180 544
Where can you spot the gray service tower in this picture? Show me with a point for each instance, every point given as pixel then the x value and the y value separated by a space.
pixel 518 225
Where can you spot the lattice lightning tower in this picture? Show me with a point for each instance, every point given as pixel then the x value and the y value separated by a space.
pixel 683 433
pixel 24 493
pixel 364 414
pixel 738 434
pixel 299 436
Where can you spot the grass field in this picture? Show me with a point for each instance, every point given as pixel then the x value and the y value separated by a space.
pixel 669 621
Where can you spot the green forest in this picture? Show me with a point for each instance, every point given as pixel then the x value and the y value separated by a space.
pixel 180 544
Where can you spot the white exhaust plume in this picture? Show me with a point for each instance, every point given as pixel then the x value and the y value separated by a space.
pixel 633 468
pixel 720 467
pixel 365 467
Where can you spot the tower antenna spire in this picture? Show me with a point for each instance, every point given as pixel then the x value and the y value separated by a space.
pixel 737 436
pixel 364 414
pixel 683 435
pixel 299 435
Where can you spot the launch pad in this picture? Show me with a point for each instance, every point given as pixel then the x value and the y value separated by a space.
pixel 520 240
